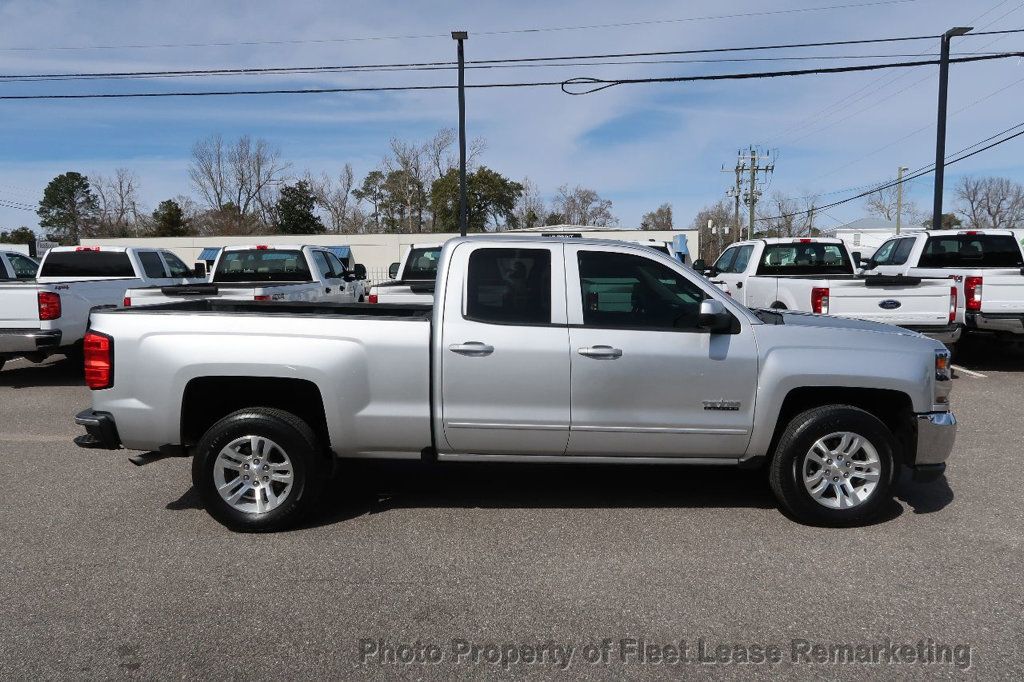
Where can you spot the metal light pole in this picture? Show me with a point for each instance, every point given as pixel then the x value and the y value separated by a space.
pixel 940 138
pixel 899 196
pixel 461 36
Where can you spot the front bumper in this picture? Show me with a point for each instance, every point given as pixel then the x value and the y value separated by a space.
pixel 100 431
pixel 1007 323
pixel 28 340
pixel 947 335
pixel 936 433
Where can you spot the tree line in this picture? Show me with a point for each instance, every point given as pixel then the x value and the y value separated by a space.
pixel 245 187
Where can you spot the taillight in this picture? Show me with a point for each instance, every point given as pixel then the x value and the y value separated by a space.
pixel 99 360
pixel 972 293
pixel 49 305
pixel 261 297
pixel 127 302
pixel 819 300
pixel 372 298
pixel 952 305
pixel 262 247
pixel 87 248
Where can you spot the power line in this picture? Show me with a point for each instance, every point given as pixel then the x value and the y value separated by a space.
pixel 598 83
pixel 625 24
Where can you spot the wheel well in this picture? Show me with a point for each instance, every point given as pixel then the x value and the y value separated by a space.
pixel 779 305
pixel 892 408
pixel 208 399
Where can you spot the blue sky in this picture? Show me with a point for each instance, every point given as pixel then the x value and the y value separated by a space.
pixel 639 145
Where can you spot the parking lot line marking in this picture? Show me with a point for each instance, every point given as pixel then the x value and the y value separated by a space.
pixel 969 372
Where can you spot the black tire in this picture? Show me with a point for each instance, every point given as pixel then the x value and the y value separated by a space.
pixel 310 468
pixel 802 432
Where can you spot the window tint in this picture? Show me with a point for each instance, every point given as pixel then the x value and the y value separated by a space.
pixel 883 255
pixel 262 265
pixel 902 251
pixel 87 264
pixel 176 266
pixel 509 286
pixel 422 263
pixel 320 258
pixel 797 258
pixel 336 265
pixel 151 264
pixel 971 251
pixel 24 267
pixel 725 261
pixel 624 290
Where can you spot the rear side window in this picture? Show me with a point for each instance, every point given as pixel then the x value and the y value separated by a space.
pixel 24 268
pixel 262 265
pixel 509 286
pixel 87 264
pixel 971 251
pixel 813 258
pixel 151 264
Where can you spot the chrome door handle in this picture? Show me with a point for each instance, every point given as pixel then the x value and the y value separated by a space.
pixel 601 352
pixel 471 348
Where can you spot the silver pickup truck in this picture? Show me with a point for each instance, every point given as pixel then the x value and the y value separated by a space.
pixel 535 349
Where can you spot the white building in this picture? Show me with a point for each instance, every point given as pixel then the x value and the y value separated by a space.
pixel 867 234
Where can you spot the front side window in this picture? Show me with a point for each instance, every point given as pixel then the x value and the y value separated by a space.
pixel 24 268
pixel 742 258
pixel 320 258
pixel 902 251
pixel 971 251
pixel 175 265
pixel 151 264
pixel 509 286
pixel 804 258
pixel 337 266
pixel 883 255
pixel 627 291
pixel 725 261
pixel 262 265
pixel 87 263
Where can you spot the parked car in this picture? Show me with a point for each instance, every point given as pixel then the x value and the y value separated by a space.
pixel 16 265
pixel 819 275
pixel 986 266
pixel 413 279
pixel 263 272
pixel 538 350
pixel 48 314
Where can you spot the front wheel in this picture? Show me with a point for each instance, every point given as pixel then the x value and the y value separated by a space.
pixel 833 466
pixel 259 469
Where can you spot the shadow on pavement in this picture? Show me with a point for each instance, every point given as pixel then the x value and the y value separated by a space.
pixel 924 498
pixel 56 371
pixel 981 354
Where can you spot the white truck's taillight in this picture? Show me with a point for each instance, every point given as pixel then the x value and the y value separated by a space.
pixel 972 293
pixel 819 300
pixel 952 305
pixel 372 298
pixel 127 302
pixel 49 305
pixel 99 360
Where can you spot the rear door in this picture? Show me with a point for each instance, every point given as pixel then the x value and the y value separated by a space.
pixel 646 380
pixel 333 286
pixel 153 268
pixel 503 355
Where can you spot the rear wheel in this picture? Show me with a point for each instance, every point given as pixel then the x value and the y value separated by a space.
pixel 833 466
pixel 259 469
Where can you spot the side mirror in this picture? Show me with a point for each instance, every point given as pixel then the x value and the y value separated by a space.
pixel 393 270
pixel 360 270
pixel 348 276
pixel 200 269
pixel 714 318
pixel 856 257
pixel 699 265
pixel 868 264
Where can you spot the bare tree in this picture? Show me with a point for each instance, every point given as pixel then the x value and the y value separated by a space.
pixel 245 175
pixel 714 226
pixel 990 203
pixel 658 219
pixel 333 198
pixel 118 203
pixel 883 204
pixel 584 206
pixel 785 216
pixel 530 209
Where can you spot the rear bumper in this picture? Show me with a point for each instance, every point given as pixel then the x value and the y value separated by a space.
pixel 1007 323
pixel 947 335
pixel 100 431
pixel 936 432
pixel 28 340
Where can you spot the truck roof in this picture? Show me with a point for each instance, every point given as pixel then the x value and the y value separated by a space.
pixel 946 233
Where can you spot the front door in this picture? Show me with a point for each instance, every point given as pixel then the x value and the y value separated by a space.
pixel 504 352
pixel 646 380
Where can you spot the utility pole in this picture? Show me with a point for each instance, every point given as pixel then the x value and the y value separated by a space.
pixel 899 196
pixel 940 137
pixel 460 37
pixel 749 164
pixel 736 194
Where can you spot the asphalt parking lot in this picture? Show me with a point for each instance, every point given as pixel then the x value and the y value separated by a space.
pixel 111 570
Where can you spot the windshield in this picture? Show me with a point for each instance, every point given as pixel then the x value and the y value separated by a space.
pixel 812 258
pixel 262 265
pixel 422 263
pixel 971 251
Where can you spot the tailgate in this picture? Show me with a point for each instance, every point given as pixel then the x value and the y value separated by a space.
pixel 1002 293
pixel 19 305
pixel 923 304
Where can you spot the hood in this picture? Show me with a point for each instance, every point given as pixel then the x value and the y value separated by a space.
pixel 797 318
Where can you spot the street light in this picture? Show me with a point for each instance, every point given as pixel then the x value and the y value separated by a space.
pixel 940 137
pixel 461 36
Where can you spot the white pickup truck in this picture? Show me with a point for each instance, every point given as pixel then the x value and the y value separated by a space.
pixel 263 272
pixel 986 266
pixel 414 279
pixel 16 265
pixel 536 350
pixel 49 314
pixel 818 275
